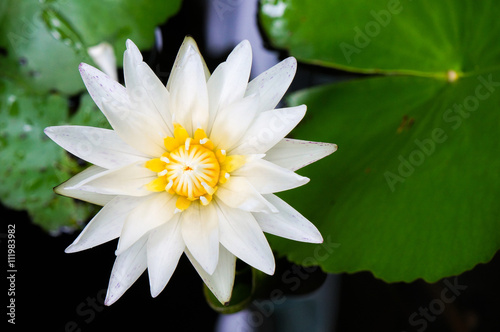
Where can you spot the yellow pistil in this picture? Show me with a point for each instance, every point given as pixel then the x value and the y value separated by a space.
pixel 232 163
pixel 192 168
pixel 205 199
pixel 170 143
pixel 180 136
pixel 221 155
pixel 223 177
pixel 157 184
pixel 182 203
pixel 199 134
pixel 155 165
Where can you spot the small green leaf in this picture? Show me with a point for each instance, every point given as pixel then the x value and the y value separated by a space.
pixel 50 38
pixel 61 214
pixel 32 164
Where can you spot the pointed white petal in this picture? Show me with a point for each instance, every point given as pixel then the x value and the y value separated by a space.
pixel 216 89
pixel 146 92
pixel 188 93
pixel 222 280
pixel 134 127
pixel 239 193
pixel 153 211
pixel 104 56
pixel 288 223
pixel 101 87
pixel 187 46
pixel 268 129
pixel 127 269
pixel 241 234
pixel 165 247
pixel 106 225
pixel 129 180
pixel 267 177
pixel 139 131
pixel 201 234
pixel 229 80
pixel 272 84
pixel 295 154
pixel 91 197
pixel 101 147
pixel 233 121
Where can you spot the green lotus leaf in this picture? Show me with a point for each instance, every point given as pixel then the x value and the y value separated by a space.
pixel 411 192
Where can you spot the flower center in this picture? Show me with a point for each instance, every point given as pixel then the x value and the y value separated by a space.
pixel 192 168
pixel 192 172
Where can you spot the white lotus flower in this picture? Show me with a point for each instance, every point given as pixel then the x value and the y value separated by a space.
pixel 190 167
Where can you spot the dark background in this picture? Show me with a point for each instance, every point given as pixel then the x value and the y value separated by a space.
pixel 65 292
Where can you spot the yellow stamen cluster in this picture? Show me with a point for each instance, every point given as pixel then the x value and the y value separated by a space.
pixel 191 168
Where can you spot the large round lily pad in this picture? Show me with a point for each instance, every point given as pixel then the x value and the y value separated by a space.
pixel 412 190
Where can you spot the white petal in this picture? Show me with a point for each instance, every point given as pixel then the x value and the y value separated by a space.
pixel 288 223
pixel 222 280
pixel 101 87
pixel 101 147
pixel 165 247
pixel 188 93
pixel 137 130
pixel 229 80
pixel 233 121
pixel 134 127
pixel 146 92
pixel 272 84
pixel 106 225
pixel 201 234
pixel 131 59
pixel 295 154
pixel 91 197
pixel 129 180
pixel 267 177
pixel 187 45
pixel 104 56
pixel 238 193
pixel 127 269
pixel 153 211
pixel 268 129
pixel 241 234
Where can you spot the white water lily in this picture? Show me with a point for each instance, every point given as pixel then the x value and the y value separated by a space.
pixel 189 168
